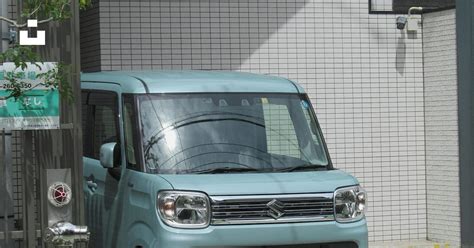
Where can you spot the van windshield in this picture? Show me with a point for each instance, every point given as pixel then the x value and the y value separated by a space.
pixel 229 133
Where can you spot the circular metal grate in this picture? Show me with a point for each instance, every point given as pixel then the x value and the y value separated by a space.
pixel 59 194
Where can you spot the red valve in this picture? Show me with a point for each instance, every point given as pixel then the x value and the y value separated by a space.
pixel 59 194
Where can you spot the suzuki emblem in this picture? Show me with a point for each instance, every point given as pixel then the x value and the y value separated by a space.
pixel 275 209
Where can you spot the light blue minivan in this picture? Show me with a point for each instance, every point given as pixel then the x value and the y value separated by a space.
pixel 181 159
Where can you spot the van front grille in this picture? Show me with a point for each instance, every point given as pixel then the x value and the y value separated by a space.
pixel 320 245
pixel 261 209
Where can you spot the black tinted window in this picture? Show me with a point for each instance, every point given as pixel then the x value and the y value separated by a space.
pixel 100 125
pixel 129 132
pixel 86 126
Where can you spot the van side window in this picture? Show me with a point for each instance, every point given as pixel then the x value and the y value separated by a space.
pixel 102 122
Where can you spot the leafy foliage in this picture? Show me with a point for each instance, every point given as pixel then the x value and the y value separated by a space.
pixel 16 90
pixel 57 78
pixel 21 56
pixel 84 4
pixel 57 10
pixel 53 79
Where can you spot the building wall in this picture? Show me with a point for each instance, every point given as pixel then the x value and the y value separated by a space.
pixel 441 118
pixel 364 77
pixel 90 38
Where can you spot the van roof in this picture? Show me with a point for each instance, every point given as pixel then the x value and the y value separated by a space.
pixel 177 81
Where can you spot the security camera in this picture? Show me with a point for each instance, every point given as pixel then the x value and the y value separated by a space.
pixel 401 22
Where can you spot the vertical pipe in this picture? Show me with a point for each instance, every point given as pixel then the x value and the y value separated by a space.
pixel 28 173
pixel 465 56
pixel 75 134
pixel 3 25
pixel 28 176
pixel 4 158
pixel 6 233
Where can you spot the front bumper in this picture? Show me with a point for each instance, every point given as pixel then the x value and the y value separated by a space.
pixel 264 235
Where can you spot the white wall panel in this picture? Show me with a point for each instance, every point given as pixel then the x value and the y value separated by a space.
pixel 441 118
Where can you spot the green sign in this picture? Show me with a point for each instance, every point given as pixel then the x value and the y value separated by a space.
pixel 38 108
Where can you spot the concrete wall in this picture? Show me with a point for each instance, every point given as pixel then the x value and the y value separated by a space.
pixel 364 77
pixel 441 118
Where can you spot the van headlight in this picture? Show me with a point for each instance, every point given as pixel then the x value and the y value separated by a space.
pixel 184 209
pixel 350 204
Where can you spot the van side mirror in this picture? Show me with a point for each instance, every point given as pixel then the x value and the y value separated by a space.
pixel 109 155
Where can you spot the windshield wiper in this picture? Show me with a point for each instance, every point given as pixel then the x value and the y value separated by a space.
pixel 303 168
pixel 223 170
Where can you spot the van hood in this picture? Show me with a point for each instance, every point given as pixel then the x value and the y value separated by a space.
pixel 262 183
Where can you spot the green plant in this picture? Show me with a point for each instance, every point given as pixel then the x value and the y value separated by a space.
pixel 55 79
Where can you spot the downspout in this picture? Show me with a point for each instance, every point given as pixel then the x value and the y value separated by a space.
pixel 4 27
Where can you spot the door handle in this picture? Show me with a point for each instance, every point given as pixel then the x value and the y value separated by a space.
pixel 91 185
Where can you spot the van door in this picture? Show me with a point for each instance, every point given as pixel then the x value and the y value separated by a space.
pixel 100 126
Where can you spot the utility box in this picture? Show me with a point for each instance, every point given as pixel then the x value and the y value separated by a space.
pixel 413 23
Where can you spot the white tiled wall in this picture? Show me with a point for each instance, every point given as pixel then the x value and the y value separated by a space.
pixel 382 5
pixel 364 77
pixel 441 117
